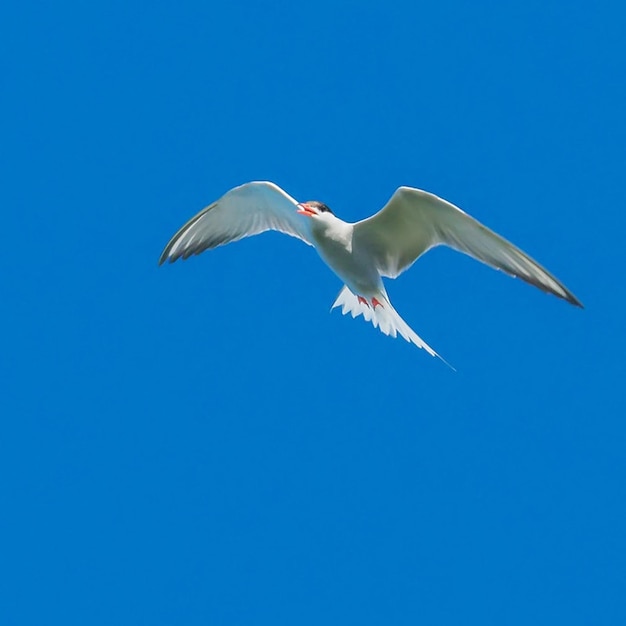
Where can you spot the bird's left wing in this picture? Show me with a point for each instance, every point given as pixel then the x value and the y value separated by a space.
pixel 246 210
pixel 413 221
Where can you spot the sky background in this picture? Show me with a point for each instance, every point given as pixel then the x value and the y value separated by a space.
pixel 203 443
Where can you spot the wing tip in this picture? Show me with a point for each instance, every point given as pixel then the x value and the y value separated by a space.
pixel 168 257
pixel 568 296
pixel 165 256
pixel 576 302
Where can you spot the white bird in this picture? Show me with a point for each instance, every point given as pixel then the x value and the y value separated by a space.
pixel 360 254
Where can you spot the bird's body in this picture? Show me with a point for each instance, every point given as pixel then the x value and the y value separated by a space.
pixel 334 242
pixel 360 254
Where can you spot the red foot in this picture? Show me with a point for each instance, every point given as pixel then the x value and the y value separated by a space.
pixel 362 300
pixel 376 302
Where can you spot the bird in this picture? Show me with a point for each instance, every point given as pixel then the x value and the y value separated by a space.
pixel 361 254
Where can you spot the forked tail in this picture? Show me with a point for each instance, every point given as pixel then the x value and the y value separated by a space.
pixel 382 315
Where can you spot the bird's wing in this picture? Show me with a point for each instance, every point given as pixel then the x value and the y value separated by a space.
pixel 413 221
pixel 246 210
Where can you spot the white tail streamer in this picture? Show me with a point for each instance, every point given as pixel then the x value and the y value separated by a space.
pixel 382 316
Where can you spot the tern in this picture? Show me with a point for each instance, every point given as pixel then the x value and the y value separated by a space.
pixel 361 254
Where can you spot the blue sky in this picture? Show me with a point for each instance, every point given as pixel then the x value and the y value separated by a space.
pixel 203 443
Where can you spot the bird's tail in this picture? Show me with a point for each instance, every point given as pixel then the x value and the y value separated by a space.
pixel 382 315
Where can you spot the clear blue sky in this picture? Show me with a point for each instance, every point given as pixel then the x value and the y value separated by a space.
pixel 203 443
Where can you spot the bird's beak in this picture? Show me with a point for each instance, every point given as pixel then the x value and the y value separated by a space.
pixel 305 209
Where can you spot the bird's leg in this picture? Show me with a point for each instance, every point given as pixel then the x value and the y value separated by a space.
pixel 362 300
pixel 376 302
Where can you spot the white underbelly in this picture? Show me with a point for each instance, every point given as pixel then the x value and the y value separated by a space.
pixel 358 273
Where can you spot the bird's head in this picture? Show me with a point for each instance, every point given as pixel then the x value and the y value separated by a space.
pixel 313 208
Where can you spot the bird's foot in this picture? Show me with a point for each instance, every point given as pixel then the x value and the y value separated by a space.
pixel 375 302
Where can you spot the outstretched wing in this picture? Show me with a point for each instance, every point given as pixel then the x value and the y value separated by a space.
pixel 246 210
pixel 413 221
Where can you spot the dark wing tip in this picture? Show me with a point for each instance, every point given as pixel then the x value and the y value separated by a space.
pixel 572 299
pixel 185 227
pixel 563 294
pixel 165 254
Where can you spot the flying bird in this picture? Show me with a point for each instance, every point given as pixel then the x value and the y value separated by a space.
pixel 360 254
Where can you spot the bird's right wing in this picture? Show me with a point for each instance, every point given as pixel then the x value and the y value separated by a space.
pixel 413 221
pixel 246 210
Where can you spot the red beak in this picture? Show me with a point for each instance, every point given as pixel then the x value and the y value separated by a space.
pixel 305 209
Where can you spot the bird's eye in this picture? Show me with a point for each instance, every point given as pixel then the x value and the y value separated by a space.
pixel 320 206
